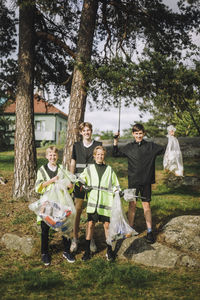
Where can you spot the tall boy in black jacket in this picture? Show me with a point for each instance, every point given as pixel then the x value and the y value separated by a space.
pixel 141 172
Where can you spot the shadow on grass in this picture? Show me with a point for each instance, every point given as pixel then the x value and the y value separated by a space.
pixel 108 275
pixel 36 280
pixel 192 191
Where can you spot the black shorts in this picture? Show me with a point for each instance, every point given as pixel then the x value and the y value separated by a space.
pixel 144 191
pixel 78 193
pixel 95 217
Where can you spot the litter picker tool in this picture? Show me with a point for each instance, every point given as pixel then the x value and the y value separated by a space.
pixel 128 194
pixel 119 119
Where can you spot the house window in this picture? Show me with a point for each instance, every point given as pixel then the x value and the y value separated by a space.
pixel 40 125
pixel 60 126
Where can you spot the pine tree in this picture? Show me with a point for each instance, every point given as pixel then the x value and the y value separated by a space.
pixel 25 151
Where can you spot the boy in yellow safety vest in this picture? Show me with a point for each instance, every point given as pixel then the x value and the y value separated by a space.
pixel 47 175
pixel 100 182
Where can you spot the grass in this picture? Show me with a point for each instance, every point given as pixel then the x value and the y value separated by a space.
pixel 23 277
pixel 98 279
pixel 6 161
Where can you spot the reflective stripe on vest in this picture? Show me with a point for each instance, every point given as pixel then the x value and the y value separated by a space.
pixel 106 189
pixel 82 165
pixel 44 173
pixel 99 206
pixel 81 160
pixel 102 189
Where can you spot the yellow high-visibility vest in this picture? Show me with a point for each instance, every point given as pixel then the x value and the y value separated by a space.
pixel 100 198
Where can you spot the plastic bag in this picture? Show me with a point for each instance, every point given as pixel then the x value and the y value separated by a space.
pixel 56 207
pixel 65 177
pixel 129 195
pixel 173 160
pixel 119 227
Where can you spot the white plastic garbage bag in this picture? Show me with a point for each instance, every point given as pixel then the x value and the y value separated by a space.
pixel 66 177
pixel 119 227
pixel 173 160
pixel 129 195
pixel 56 207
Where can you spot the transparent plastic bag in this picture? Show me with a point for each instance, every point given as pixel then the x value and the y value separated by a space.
pixel 56 207
pixel 119 227
pixel 65 177
pixel 173 160
pixel 129 195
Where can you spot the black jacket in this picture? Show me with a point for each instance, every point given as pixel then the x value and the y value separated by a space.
pixel 141 161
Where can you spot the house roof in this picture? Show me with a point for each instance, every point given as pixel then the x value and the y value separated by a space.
pixel 40 107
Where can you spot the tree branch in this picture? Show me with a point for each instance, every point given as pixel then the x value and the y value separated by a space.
pixel 104 7
pixel 57 41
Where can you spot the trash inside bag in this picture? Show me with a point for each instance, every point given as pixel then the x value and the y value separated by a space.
pixel 56 208
pixel 173 160
pixel 129 195
pixel 119 227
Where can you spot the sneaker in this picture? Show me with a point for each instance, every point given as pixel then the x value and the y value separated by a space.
pixel 86 256
pixel 93 247
pixel 69 257
pixel 150 238
pixel 46 259
pixel 110 256
pixel 74 245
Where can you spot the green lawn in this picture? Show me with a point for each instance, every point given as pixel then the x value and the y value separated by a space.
pixel 24 277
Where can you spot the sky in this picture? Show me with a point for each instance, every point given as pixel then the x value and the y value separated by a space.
pixel 109 120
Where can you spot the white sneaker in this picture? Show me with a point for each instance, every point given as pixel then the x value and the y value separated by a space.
pixel 93 247
pixel 74 245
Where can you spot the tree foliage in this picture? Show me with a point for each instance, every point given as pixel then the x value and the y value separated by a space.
pixel 158 84
pixel 5 134
pixel 7 47
pixel 120 27
pixel 8 30
pixel 153 79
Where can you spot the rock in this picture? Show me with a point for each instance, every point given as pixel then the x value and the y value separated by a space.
pixel 177 245
pixel 173 181
pixel 183 233
pixel 14 242
pixel 154 255
pixel 191 181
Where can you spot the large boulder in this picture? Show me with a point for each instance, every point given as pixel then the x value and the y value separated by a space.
pixel 14 242
pixel 155 255
pixel 178 245
pixel 183 233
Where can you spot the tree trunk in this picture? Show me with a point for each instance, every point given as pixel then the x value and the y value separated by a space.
pixel 79 84
pixel 25 152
